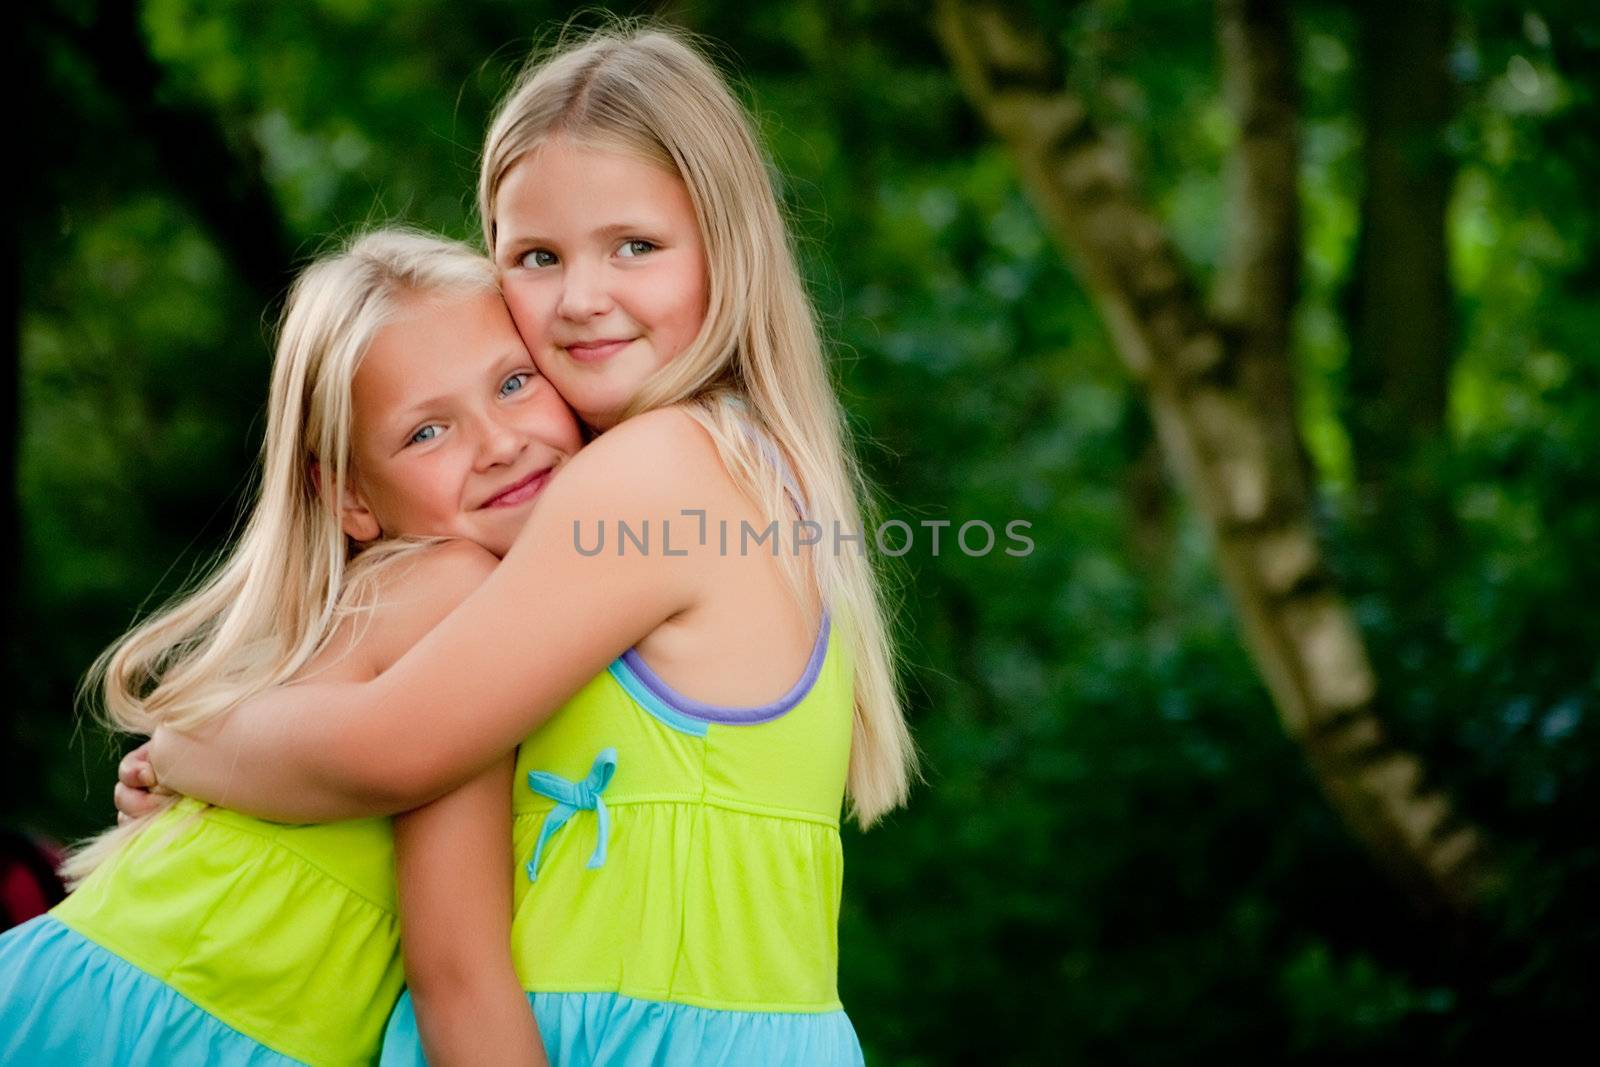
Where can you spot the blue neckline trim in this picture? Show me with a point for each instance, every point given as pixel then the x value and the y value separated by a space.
pixel 678 710
pixel 652 703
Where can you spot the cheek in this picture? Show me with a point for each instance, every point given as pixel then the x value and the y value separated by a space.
pixel 553 421
pixel 423 490
pixel 551 369
pixel 683 308
pixel 699 286
pixel 528 313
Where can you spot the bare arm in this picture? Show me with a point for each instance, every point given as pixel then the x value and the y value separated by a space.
pixel 452 862
pixel 543 624
pixel 413 596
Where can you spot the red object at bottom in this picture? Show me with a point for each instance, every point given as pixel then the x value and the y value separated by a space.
pixel 29 885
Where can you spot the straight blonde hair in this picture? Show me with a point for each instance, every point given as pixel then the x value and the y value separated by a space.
pixel 275 599
pixel 649 93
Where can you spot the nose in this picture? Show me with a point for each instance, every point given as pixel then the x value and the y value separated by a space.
pixel 583 292
pixel 499 443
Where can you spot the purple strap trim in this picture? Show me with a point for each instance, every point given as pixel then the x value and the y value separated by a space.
pixel 697 709
pixel 770 453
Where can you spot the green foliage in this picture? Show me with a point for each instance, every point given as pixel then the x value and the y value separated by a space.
pixel 1117 857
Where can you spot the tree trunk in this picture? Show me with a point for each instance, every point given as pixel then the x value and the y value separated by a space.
pixel 216 176
pixel 219 177
pixel 1402 338
pixel 17 777
pixel 1218 386
pixel 10 508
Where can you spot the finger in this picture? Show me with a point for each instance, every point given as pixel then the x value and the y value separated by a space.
pixel 136 770
pixel 134 802
pixel 140 803
pixel 134 767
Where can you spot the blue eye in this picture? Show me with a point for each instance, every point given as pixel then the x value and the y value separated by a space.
pixel 425 434
pixel 515 383
pixel 538 257
pixel 636 247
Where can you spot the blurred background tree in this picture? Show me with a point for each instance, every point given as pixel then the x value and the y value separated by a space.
pixel 1119 857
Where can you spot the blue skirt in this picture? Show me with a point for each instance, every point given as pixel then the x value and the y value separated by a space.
pixel 611 1030
pixel 66 1001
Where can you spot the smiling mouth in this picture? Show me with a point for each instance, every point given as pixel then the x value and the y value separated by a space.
pixel 526 489
pixel 595 351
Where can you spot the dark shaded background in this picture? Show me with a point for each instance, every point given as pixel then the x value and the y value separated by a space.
pixel 1118 856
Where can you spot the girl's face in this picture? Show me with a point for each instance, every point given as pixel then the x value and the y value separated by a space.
pixel 455 431
pixel 603 269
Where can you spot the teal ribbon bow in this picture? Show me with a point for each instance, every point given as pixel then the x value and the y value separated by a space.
pixel 572 797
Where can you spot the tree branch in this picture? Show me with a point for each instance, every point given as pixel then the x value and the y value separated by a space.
pixel 1223 429
pixel 1257 288
pixel 1258 284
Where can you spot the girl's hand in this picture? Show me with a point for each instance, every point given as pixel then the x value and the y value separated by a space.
pixel 136 786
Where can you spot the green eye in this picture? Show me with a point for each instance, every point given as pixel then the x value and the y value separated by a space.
pixel 636 247
pixel 539 257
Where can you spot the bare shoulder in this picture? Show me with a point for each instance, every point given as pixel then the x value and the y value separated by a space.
pixel 448 570
pixel 409 596
pixel 669 427
pixel 660 454
pixel 660 445
pixel 658 477
pixel 415 592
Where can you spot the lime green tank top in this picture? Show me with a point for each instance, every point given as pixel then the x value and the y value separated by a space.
pixel 685 852
pixel 286 933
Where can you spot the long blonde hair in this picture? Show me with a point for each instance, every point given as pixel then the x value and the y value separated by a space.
pixel 647 92
pixel 274 600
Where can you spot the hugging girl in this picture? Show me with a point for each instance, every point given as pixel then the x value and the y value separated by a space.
pixel 407 617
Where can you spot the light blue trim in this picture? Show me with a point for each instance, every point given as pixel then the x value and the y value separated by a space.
pixel 660 709
pixel 612 1030
pixel 66 1001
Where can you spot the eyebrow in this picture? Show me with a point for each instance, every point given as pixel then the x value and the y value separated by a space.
pixel 510 356
pixel 610 231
